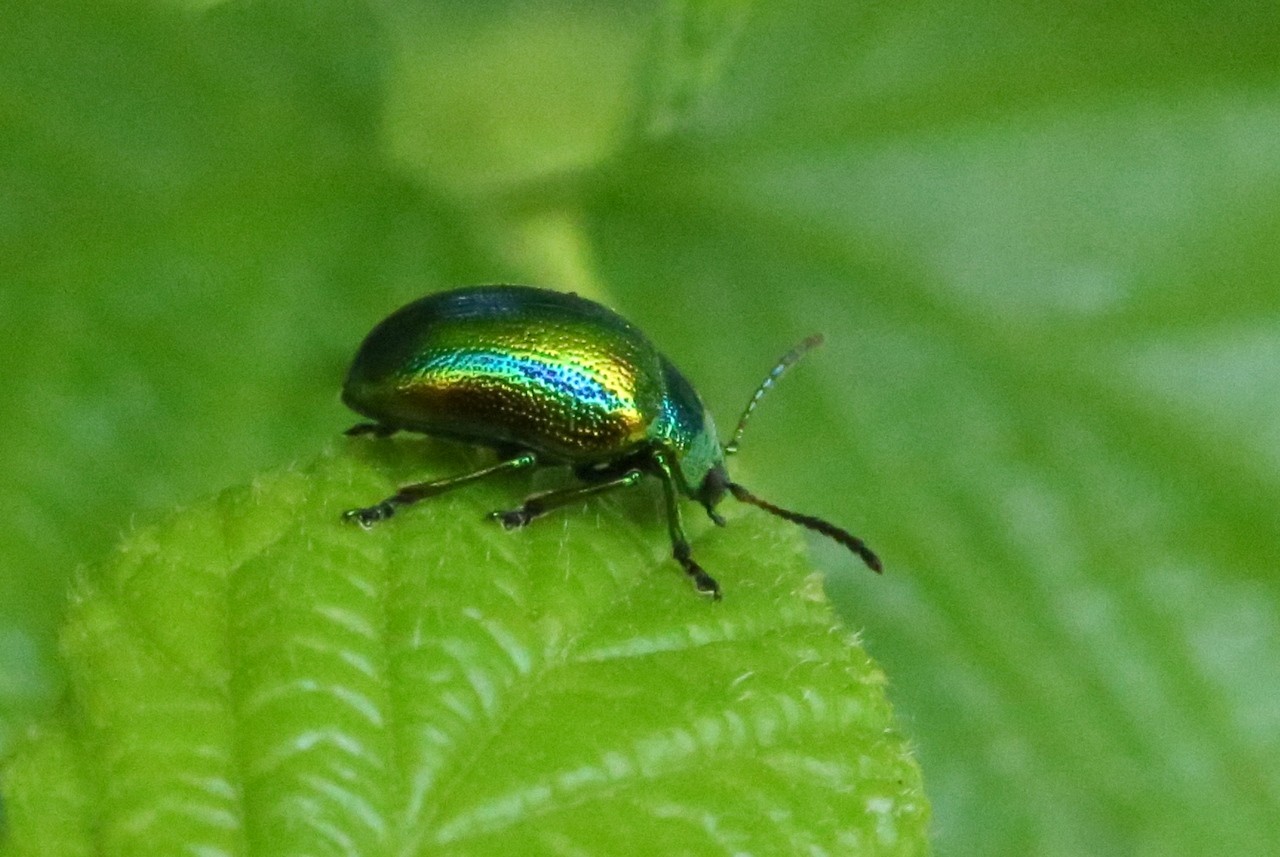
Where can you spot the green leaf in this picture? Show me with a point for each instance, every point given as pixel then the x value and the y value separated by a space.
pixel 256 676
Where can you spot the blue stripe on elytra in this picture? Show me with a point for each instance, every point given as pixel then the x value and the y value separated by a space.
pixel 564 379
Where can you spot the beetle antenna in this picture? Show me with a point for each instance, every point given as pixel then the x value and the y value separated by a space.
pixel 788 360
pixel 828 529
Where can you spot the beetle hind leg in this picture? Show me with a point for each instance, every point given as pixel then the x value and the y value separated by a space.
pixel 367 516
pixel 537 505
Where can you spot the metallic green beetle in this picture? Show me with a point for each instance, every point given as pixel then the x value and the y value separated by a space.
pixel 548 378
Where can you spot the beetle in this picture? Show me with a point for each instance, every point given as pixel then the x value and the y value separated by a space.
pixel 547 378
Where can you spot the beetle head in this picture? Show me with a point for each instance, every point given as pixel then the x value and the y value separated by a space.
pixel 714 486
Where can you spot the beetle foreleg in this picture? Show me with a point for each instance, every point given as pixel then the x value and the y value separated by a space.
pixel 409 494
pixel 537 505
pixel 703 582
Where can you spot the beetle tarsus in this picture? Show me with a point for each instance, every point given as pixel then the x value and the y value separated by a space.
pixel 367 516
pixel 703 582
pixel 512 519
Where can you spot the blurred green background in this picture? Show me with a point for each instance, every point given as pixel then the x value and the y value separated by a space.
pixel 1043 242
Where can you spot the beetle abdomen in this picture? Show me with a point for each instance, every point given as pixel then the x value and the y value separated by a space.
pixel 510 366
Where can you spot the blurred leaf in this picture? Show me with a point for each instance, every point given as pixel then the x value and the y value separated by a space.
pixel 1049 310
pixel 442 686
pixel 195 227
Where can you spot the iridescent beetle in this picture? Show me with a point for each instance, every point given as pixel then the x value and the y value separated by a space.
pixel 548 378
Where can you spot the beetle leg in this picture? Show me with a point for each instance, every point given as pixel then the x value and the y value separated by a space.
pixel 375 429
pixel 680 549
pixel 537 505
pixel 409 494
